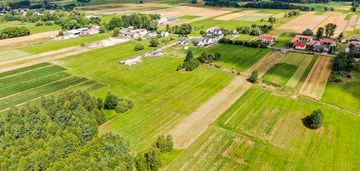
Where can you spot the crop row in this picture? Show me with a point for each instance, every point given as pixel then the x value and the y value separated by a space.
pixel 30 75
pixel 23 86
pixel 39 91
pixel 20 70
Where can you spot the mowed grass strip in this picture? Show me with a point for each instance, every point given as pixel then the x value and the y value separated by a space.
pixel 39 91
pixel 238 57
pixel 33 74
pixel 60 44
pixel 345 94
pixel 20 70
pixel 280 74
pixel 264 131
pixel 26 85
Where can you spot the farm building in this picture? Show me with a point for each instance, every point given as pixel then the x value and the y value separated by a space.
pixel 266 38
pixel 302 42
pixel 167 20
pixel 133 33
pixel 154 53
pixel 131 61
pixel 81 32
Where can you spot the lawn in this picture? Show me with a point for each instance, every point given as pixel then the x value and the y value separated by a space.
pixel 284 39
pixel 60 44
pixel 31 26
pixel 344 94
pixel 238 57
pixel 280 74
pixel 264 131
pixel 162 96
pixel 245 37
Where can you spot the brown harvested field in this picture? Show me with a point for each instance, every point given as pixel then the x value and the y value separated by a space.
pixel 235 15
pixel 32 37
pixel 315 82
pixel 299 24
pixel 352 23
pixel 337 18
pixel 347 8
pixel 264 64
pixel 188 10
pixel 192 126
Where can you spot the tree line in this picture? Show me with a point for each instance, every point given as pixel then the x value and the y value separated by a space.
pixel 254 29
pixel 137 20
pixel 253 44
pixel 60 133
pixel 344 63
pixel 12 32
pixel 190 63
pixel 276 5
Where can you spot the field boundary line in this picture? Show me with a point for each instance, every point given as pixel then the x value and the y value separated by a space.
pixel 7 42
pixel 25 71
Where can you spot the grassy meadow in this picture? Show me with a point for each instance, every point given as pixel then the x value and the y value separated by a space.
pixel 238 57
pixel 280 74
pixel 264 131
pixel 159 92
pixel 344 94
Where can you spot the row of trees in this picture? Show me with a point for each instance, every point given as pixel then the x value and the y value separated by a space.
pixel 112 102
pixel 254 43
pixel 44 4
pixel 182 30
pixel 60 133
pixel 254 29
pixel 292 13
pixel 67 20
pixel 222 3
pixel 12 32
pixel 151 160
pixel 277 5
pixel 344 64
pixel 328 31
pixel 137 20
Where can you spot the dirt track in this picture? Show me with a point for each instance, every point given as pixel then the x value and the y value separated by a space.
pixel 315 83
pixel 17 40
pixel 196 123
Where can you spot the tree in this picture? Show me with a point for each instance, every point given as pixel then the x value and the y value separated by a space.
pixel 138 47
pixel 111 101
pixel 341 35
pixel 100 104
pixel 332 8
pixel 154 42
pixel 330 29
pixel 102 29
pixel 189 56
pixel 272 20
pixel 254 76
pixel 315 120
pixel 115 32
pixel 319 33
pixel 167 27
pixel 326 8
pixel 353 9
pixel 308 32
pixel 164 144
pixel 61 33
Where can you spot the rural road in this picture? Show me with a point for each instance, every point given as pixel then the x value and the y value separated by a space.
pixel 17 40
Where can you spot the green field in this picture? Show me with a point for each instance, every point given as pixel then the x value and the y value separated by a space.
pixel 188 17
pixel 11 54
pixel 31 26
pixel 60 44
pixel 245 37
pixel 159 92
pixel 254 16
pixel 284 39
pixel 238 57
pixel 264 131
pixel 280 74
pixel 25 84
pixel 344 94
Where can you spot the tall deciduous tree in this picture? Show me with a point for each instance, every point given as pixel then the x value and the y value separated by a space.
pixel 320 33
pixel 330 29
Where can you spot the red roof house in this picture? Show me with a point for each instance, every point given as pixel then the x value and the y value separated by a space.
pixel 301 38
pixel 266 38
pixel 300 45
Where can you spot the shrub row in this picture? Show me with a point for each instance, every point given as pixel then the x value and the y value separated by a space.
pixel 254 44
pixel 12 32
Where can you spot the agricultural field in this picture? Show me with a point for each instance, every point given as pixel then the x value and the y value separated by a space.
pixel 60 44
pixel 344 94
pixel 11 54
pixel 31 26
pixel 181 93
pixel 26 84
pixel 291 70
pixel 239 58
pixel 337 18
pixel 264 130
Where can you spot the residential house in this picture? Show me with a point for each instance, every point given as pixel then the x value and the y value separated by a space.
pixel 300 45
pixel 206 41
pixel 266 38
pixel 302 41
pixel 214 31
pixel 357 39
pixel 165 34
pixel 343 40
pixel 167 20
pixel 182 41
pixel 301 38
pixel 151 34
pixel 133 33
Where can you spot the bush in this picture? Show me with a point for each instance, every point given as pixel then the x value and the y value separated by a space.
pixel 164 144
pixel 315 120
pixel 39 24
pixel 254 76
pixel 102 29
pixel 49 23
pixel 121 109
pixel 138 47
pixel 111 101
pixel 154 42
pixel 191 65
pixel 115 32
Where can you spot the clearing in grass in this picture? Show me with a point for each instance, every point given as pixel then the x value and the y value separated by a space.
pixel 263 131
pixel 344 94
pixel 238 57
